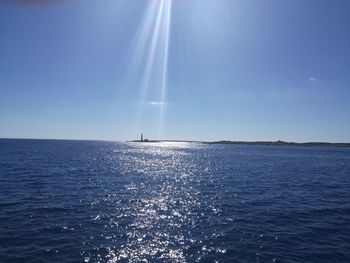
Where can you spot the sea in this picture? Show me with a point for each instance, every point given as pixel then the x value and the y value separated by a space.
pixel 96 201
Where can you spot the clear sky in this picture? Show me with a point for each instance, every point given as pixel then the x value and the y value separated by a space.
pixel 180 69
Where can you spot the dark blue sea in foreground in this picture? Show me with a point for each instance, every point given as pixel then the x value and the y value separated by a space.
pixel 86 201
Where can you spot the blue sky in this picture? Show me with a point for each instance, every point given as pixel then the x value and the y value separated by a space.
pixel 234 70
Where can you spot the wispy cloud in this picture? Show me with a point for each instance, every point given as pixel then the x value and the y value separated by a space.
pixel 156 103
pixel 312 79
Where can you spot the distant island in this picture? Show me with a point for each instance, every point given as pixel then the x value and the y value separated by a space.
pixel 276 143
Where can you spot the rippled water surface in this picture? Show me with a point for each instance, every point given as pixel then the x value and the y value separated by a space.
pixel 76 201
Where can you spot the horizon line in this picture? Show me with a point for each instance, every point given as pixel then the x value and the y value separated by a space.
pixel 175 140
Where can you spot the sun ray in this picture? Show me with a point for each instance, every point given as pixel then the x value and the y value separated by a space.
pixel 149 62
pixel 165 69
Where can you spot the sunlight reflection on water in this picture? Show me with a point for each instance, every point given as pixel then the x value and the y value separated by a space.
pixel 161 207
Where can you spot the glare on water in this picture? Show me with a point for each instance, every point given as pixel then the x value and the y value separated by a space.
pixel 151 214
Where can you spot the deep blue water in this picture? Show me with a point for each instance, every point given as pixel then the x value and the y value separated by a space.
pixel 76 201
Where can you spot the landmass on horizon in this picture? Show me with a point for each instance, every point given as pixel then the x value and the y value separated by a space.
pixel 277 143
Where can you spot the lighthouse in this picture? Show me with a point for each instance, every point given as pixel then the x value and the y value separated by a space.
pixel 141 137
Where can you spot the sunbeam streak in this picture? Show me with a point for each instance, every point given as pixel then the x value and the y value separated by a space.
pixel 165 68
pixel 150 60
